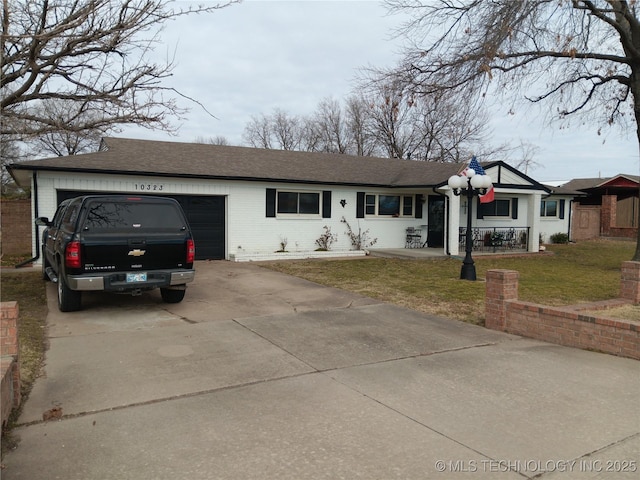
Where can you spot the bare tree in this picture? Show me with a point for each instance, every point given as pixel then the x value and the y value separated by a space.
pixel 279 130
pixel 94 53
pixel 10 153
pixel 65 142
pixel 286 129
pixel 581 57
pixel 331 125
pixel 257 133
pixel 217 140
pixel 360 125
pixel 394 122
pixel 526 158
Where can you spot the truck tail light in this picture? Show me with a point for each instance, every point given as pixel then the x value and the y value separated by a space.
pixel 191 251
pixel 72 257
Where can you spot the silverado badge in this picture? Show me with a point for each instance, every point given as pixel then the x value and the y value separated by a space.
pixel 136 252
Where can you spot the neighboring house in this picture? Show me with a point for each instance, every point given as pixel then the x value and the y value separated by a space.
pixel 245 202
pixel 604 207
pixel 556 212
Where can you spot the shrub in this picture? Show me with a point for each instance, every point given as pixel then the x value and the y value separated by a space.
pixel 360 240
pixel 559 238
pixel 326 239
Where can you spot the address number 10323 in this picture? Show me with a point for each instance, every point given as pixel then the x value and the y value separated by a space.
pixel 149 187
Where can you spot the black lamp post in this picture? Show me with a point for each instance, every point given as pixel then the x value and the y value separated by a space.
pixel 470 185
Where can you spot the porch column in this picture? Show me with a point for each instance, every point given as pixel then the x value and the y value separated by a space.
pixel 533 216
pixel 453 223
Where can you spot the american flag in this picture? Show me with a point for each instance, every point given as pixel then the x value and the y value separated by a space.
pixel 476 166
pixel 489 196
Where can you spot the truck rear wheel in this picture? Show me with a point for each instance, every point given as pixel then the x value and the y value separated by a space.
pixel 172 296
pixel 68 300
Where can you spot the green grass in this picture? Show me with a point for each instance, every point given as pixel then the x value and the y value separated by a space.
pixel 567 274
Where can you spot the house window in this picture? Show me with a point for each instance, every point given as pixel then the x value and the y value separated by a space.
pixel 549 208
pixel 389 205
pixel 407 206
pixel 497 208
pixel 298 203
pixel 370 204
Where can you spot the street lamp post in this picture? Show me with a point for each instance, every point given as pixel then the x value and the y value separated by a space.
pixel 470 185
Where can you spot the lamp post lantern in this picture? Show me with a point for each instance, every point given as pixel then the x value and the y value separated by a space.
pixel 469 185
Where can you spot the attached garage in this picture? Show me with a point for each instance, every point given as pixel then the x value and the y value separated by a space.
pixel 206 215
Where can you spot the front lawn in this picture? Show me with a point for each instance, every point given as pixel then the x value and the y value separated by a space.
pixel 567 274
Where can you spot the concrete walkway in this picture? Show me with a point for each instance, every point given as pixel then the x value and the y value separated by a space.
pixel 259 375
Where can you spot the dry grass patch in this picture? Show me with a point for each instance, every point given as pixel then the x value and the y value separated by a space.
pixel 569 274
pixel 626 312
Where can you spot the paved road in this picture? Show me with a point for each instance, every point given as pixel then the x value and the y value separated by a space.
pixel 258 375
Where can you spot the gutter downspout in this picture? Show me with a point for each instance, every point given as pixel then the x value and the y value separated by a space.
pixel 34 197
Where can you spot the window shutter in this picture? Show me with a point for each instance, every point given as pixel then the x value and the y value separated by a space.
pixel 562 209
pixel 479 208
pixel 419 198
pixel 360 205
pixel 514 208
pixel 326 204
pixel 271 202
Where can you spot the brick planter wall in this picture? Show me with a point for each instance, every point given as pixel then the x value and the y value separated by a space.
pixel 565 325
pixel 10 385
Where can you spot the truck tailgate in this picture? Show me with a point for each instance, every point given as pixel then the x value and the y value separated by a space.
pixel 115 252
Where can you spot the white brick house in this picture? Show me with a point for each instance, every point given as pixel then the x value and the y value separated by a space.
pixel 244 202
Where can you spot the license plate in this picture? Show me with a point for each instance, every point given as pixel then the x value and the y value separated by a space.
pixel 136 277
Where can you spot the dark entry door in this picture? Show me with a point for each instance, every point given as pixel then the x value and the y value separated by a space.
pixel 435 221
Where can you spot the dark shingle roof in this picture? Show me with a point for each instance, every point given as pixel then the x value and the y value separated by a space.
pixel 588 184
pixel 147 157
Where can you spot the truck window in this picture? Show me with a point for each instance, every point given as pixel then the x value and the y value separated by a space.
pixel 109 215
pixel 70 217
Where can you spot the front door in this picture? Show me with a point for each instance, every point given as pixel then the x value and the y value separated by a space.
pixel 435 221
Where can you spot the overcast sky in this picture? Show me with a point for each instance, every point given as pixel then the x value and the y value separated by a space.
pixel 259 55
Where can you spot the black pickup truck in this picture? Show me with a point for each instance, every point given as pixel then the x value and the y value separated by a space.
pixel 117 243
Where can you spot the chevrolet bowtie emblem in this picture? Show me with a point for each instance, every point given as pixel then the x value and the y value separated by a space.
pixel 137 252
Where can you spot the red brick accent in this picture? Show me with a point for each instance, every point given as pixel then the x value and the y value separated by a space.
pixel 16 226
pixel 560 325
pixel 9 360
pixel 608 214
pixel 501 287
pixel 630 282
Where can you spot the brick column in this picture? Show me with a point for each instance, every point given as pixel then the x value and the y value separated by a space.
pixel 502 286
pixel 9 329
pixel 630 281
pixel 608 214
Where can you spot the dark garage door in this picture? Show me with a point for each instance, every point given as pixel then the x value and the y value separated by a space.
pixel 205 215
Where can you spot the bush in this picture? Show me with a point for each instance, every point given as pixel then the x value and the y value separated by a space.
pixel 326 239
pixel 559 238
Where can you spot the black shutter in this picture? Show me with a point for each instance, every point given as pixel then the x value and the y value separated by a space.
pixel 326 204
pixel 360 205
pixel 514 208
pixel 561 209
pixel 419 198
pixel 271 202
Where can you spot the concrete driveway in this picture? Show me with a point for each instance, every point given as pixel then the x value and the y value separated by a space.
pixel 259 375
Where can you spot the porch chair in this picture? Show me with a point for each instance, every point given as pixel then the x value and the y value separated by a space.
pixel 413 238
